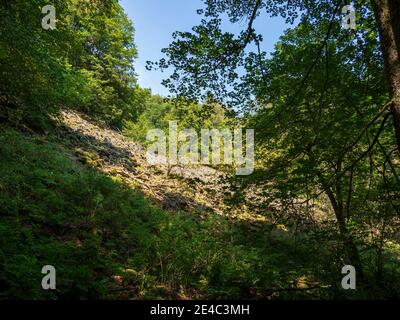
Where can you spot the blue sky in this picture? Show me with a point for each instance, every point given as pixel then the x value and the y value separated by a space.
pixel 156 20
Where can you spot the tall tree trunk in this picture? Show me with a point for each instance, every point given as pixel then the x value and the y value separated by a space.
pixel 387 15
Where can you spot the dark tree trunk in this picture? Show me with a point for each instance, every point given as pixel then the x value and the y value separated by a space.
pixel 350 247
pixel 387 15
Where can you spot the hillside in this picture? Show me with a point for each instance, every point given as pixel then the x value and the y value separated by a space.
pixel 85 201
pixel 195 188
pixel 112 154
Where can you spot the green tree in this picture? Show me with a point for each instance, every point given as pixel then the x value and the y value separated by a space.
pixel 212 57
pixel 326 129
pixel 85 63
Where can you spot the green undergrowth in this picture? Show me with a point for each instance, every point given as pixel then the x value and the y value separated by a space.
pixel 107 240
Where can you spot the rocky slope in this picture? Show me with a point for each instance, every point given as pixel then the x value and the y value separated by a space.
pixel 110 152
pixel 199 188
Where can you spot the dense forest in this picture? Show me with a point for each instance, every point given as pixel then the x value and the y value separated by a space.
pixel 77 191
